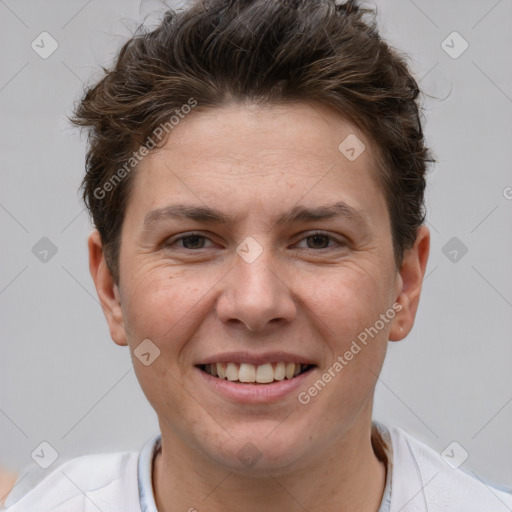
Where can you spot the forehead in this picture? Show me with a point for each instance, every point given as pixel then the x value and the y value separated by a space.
pixel 242 131
pixel 243 155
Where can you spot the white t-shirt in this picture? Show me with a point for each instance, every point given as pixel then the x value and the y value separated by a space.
pixel 418 480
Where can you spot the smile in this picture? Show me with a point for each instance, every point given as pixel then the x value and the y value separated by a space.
pixel 248 373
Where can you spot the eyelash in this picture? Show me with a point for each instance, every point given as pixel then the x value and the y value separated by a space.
pixel 310 235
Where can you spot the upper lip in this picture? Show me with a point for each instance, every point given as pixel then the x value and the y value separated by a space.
pixel 256 359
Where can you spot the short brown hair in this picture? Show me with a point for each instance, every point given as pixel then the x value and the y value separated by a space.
pixel 264 51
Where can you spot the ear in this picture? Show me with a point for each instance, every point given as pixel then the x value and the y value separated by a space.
pixel 410 279
pixel 108 291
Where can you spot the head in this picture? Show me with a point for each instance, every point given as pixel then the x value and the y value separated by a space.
pixel 282 142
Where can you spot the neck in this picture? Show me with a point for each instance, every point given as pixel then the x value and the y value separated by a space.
pixel 347 475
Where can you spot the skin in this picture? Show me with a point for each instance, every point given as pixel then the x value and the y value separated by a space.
pixel 307 296
pixel 7 481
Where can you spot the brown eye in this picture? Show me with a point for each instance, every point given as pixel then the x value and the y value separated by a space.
pixel 320 241
pixel 191 242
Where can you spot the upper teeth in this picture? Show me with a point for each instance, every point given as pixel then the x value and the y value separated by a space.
pixel 246 372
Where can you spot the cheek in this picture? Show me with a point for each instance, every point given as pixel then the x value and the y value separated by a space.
pixel 159 307
pixel 158 300
pixel 346 302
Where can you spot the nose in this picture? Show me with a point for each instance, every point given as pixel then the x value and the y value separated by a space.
pixel 257 294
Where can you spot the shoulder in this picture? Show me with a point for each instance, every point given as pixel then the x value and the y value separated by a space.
pixel 106 481
pixel 423 480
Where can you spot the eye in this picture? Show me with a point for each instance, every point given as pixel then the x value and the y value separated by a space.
pixel 316 240
pixel 319 239
pixel 190 241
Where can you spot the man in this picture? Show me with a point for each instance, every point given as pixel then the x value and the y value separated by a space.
pixel 256 176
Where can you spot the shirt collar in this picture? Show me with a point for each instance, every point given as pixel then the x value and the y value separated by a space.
pixel 145 474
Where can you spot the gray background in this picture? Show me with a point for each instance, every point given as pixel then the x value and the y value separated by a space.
pixel 62 380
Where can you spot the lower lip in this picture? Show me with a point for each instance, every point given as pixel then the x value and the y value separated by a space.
pixel 255 393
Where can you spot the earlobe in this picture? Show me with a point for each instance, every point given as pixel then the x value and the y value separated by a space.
pixel 107 290
pixel 410 279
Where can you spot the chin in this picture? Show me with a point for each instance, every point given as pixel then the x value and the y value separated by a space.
pixel 258 452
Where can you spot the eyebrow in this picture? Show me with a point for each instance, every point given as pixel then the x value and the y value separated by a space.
pixel 297 214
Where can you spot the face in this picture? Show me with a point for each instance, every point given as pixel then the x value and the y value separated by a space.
pixel 253 247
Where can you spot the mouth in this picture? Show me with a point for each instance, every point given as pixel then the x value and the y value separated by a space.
pixel 256 374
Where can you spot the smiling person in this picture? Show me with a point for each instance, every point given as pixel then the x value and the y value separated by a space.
pixel 255 174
